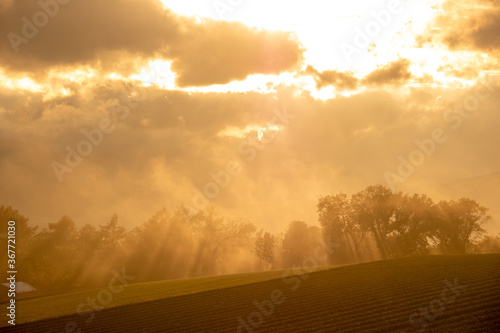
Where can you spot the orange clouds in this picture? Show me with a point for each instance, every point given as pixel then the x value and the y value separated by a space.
pixel 107 34
pixel 466 25
pixel 340 80
pixel 218 52
pixel 396 72
pixel 166 148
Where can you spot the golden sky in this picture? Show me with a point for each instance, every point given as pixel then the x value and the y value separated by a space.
pixel 257 107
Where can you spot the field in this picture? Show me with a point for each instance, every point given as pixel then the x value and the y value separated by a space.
pixel 42 306
pixel 439 293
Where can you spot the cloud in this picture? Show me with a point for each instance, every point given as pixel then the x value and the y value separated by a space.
pixel 340 80
pixel 121 35
pixel 471 25
pixel 464 72
pixel 396 72
pixel 220 51
pixel 342 144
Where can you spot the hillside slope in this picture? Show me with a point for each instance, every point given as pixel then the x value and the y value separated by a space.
pixel 379 296
pixel 42 306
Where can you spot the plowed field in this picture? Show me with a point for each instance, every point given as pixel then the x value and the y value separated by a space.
pixel 430 293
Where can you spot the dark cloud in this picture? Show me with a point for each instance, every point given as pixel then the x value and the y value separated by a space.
pixel 396 72
pixel 340 80
pixel 471 25
pixel 98 33
pixel 219 52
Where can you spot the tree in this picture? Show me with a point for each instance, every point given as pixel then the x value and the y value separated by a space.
pixel 413 218
pixel 111 233
pixel 158 249
pixel 336 216
pixel 459 224
pixel 226 235
pixel 264 245
pixel 374 209
pixel 490 244
pixel 299 243
pixel 24 236
pixel 53 258
pixel 215 235
pixel 177 244
pixel 89 257
pixel 24 232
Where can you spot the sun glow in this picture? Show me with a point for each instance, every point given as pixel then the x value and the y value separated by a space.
pixel 158 73
pixel 337 21
pixel 260 131
pixel 334 24
pixel 21 83
pixel 76 75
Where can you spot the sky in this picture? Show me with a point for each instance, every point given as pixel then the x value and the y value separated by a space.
pixel 257 107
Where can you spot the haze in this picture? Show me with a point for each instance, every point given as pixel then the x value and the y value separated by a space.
pixel 256 108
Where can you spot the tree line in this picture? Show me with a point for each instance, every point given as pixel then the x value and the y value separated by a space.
pixel 375 223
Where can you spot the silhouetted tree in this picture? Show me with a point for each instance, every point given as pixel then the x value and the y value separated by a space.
pixel 24 235
pixel 413 219
pixel 264 245
pixel 490 244
pixel 230 235
pixel 374 208
pixel 89 257
pixel 299 242
pixel 53 255
pixel 401 225
pixel 24 232
pixel 154 248
pixel 178 243
pixel 112 233
pixel 459 225
pixel 338 219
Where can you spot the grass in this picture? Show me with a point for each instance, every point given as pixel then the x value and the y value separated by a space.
pixel 371 297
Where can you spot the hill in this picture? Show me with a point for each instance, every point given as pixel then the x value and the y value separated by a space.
pixel 46 304
pixel 428 293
